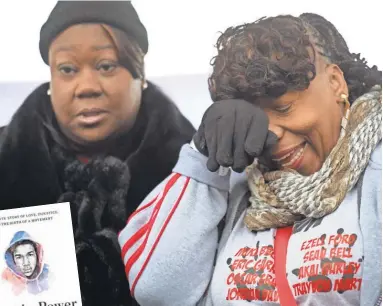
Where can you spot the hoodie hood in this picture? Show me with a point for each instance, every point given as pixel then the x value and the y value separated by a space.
pixel 24 236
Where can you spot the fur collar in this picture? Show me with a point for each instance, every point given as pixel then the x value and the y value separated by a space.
pixel 102 193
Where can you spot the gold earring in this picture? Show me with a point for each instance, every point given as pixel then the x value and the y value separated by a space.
pixel 346 114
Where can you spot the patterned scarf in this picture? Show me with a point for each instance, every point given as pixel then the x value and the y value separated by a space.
pixel 279 198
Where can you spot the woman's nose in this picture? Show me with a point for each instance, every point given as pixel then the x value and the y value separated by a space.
pixel 276 129
pixel 88 84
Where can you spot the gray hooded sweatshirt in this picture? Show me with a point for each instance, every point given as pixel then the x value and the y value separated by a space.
pixel 176 254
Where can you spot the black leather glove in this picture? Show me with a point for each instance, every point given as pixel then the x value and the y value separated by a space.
pixel 232 134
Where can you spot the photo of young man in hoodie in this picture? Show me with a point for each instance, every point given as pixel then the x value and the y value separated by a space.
pixel 25 269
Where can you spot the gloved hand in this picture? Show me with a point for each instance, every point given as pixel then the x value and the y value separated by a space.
pixel 232 133
pixel 97 192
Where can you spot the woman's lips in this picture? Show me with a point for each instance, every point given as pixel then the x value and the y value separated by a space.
pixel 293 158
pixel 281 155
pixel 89 117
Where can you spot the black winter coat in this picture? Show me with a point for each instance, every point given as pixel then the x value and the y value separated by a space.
pixel 35 170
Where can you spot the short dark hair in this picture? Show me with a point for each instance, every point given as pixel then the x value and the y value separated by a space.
pixel 271 56
pixel 22 242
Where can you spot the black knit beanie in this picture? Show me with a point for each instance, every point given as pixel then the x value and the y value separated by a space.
pixel 119 14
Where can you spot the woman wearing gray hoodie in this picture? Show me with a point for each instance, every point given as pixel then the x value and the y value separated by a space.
pixel 302 224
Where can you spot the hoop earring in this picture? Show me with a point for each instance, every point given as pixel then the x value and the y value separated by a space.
pixel 346 114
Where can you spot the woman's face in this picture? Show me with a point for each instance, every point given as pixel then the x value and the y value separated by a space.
pixel 308 123
pixel 93 97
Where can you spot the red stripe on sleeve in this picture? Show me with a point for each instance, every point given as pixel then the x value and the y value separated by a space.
pixel 159 235
pixel 137 236
pixel 142 208
pixel 146 228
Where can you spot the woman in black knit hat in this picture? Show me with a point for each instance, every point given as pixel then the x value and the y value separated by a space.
pixel 98 135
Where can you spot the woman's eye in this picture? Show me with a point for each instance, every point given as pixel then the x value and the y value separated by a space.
pixel 107 67
pixel 283 109
pixel 67 70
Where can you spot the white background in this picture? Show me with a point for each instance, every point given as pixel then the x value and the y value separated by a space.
pixel 56 238
pixel 182 32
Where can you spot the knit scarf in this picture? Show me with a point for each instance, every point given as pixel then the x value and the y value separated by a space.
pixel 279 198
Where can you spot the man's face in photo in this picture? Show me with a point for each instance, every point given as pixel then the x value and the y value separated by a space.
pixel 25 258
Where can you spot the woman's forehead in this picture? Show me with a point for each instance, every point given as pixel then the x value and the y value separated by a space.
pixel 286 98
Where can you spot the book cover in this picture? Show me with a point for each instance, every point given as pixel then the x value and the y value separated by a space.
pixel 37 257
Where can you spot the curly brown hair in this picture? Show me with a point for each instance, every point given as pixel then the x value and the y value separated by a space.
pixel 272 56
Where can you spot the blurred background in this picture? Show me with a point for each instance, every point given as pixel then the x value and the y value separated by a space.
pixel 182 34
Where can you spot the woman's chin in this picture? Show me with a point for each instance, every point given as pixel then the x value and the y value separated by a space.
pixel 309 167
pixel 88 141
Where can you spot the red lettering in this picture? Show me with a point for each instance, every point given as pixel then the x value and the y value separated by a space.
pixel 247 294
pixel 267 279
pixel 230 279
pixel 241 264
pixel 264 264
pixel 312 243
pixel 342 239
pixel 321 285
pixel 270 265
pixel 235 264
pixel 270 251
pixel 340 253
pixel 349 239
pixel 308 271
pixel 269 295
pixel 335 239
pixel 318 242
pixel 309 243
pixel 345 239
pixel 228 294
pixel 248 278
pixel 345 284
pixel 297 289
pixel 352 239
pixel 314 255
pixel 317 285
pixel 238 279
pixel 306 287
pixel 263 250
pixel 254 279
pixel 303 247
pixel 232 294
pixel 352 268
pixel 332 268
pixel 249 262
